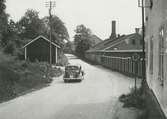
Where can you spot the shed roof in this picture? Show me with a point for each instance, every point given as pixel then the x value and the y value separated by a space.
pixel 40 36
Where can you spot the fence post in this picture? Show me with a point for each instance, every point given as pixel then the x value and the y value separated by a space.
pixel 135 59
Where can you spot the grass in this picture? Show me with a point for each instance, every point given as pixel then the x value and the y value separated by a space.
pixel 18 76
pixel 133 99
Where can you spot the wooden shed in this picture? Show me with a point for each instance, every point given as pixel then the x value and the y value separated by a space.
pixel 39 50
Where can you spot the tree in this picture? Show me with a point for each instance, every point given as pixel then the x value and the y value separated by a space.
pixel 30 25
pixel 2 6
pixel 10 34
pixel 11 39
pixel 8 37
pixel 82 40
pixel 3 19
pixel 59 30
pixel 68 47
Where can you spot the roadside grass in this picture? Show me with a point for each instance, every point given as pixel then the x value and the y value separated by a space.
pixel 17 77
pixel 135 99
pixel 143 100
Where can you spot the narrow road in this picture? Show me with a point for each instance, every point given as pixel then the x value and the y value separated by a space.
pixel 94 98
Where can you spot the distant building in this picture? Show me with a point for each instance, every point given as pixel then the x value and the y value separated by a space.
pixel 116 45
pixel 38 49
pixel 117 51
pixel 95 40
pixel 126 42
pixel 101 45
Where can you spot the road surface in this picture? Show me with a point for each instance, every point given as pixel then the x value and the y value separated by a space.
pixel 94 98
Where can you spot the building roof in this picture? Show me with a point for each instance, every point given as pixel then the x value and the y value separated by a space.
pixel 125 43
pixel 101 45
pixel 39 38
pixel 109 44
pixel 95 40
pixel 98 46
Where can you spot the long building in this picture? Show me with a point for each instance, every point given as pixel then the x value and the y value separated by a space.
pixel 117 51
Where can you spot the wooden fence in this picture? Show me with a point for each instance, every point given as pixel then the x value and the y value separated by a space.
pixel 124 65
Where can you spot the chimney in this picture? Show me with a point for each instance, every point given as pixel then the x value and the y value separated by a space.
pixel 113 27
pixel 137 30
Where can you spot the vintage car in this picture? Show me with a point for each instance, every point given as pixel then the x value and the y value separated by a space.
pixel 73 73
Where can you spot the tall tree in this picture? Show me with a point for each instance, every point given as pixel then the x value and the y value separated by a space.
pixel 11 39
pixel 59 30
pixel 2 6
pixel 30 24
pixel 3 19
pixel 68 48
pixel 82 40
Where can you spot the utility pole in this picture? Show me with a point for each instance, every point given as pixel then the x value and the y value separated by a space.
pixel 143 5
pixel 50 4
pixel 135 59
pixel 143 35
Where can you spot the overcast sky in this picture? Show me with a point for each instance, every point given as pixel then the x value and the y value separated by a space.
pixel 94 14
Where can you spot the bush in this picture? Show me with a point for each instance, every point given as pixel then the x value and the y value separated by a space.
pixel 10 48
pixel 18 76
pixel 63 60
pixel 133 99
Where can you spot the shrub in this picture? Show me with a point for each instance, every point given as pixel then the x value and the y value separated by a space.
pixel 10 48
pixel 63 60
pixel 133 99
pixel 18 76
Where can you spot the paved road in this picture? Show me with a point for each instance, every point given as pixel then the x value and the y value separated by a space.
pixel 94 98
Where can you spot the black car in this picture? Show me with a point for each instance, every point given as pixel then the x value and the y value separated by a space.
pixel 73 73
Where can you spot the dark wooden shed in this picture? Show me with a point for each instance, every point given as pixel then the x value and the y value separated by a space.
pixel 39 49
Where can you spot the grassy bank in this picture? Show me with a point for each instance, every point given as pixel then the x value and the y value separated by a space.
pixel 18 76
pixel 135 100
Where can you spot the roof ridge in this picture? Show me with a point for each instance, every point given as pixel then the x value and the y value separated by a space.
pixel 40 36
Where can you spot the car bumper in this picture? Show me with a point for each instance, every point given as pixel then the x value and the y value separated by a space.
pixel 73 79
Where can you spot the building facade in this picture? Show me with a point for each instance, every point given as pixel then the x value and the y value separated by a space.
pixel 117 51
pixel 38 49
pixel 156 50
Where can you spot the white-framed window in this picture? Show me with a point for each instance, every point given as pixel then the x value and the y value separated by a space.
pixel 161 55
pixel 151 56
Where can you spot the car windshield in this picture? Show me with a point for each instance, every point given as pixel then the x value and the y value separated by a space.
pixel 72 68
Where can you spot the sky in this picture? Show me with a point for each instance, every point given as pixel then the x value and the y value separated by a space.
pixel 94 14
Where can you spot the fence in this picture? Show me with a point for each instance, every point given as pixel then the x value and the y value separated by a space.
pixel 124 65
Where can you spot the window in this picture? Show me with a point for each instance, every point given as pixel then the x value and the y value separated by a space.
pixel 161 56
pixel 133 41
pixel 151 56
pixel 151 4
pixel 141 42
pixel 146 18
